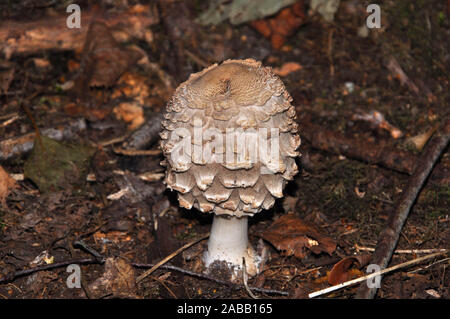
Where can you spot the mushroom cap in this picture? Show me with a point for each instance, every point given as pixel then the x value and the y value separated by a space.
pixel 238 97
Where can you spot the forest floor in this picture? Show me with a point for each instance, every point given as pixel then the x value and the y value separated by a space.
pixel 338 78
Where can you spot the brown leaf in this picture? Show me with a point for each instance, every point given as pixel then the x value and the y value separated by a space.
pixel 130 113
pixel 104 60
pixel 295 236
pixel 6 185
pixel 287 68
pixel 132 86
pixel 118 279
pixel 344 269
pixel 283 25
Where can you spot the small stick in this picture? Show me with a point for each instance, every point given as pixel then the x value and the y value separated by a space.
pixel 245 279
pixel 133 152
pixel 388 238
pixel 196 59
pixel 176 252
pixel 8 116
pixel 147 133
pixel 374 274
pixel 10 121
pixel 20 273
pixel 165 286
pixel 114 140
pixel 406 251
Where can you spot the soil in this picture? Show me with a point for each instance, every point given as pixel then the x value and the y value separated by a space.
pixel 341 74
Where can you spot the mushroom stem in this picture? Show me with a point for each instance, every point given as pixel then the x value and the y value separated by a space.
pixel 228 241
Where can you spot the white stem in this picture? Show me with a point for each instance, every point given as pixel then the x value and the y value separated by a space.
pixel 228 241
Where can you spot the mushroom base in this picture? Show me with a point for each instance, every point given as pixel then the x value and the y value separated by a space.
pixel 228 241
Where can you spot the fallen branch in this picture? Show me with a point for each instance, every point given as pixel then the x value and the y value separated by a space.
pixel 405 251
pixel 51 33
pixel 372 275
pixel 14 275
pixel 147 133
pixel 20 145
pixel 373 153
pixel 388 238
pixel 133 152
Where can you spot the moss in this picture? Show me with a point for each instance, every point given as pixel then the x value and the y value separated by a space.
pixel 333 191
pixel 414 22
pixel 433 202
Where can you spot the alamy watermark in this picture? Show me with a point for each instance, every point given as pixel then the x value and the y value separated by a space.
pixel 235 148
pixel 373 21
pixel 73 21
pixel 373 282
pixel 74 279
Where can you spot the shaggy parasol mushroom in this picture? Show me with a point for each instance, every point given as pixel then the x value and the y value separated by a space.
pixel 212 123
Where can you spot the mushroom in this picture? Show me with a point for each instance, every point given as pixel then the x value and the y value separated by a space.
pixel 230 141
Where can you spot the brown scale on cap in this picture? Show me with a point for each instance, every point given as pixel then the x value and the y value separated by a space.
pixel 235 94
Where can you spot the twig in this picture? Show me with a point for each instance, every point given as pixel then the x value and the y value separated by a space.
pixel 330 52
pixel 406 251
pixel 165 286
pixel 176 252
pixel 133 152
pixel 113 140
pixel 334 142
pixel 388 238
pixel 196 59
pixel 374 274
pixel 82 245
pixel 245 279
pixel 428 266
pixel 8 116
pixel 10 120
pixel 147 133
pixel 37 132
pixel 20 273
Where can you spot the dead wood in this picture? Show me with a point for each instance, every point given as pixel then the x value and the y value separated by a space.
pixel 51 33
pixel 388 238
pixel 20 145
pixel 360 149
pixel 146 134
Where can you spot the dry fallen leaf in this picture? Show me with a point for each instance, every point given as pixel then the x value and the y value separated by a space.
pixel 41 63
pixel 131 85
pixel 6 185
pixel 420 140
pixel 283 25
pixel 287 68
pixel 295 236
pixel 130 113
pixel 104 60
pixel 118 279
pixel 344 269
